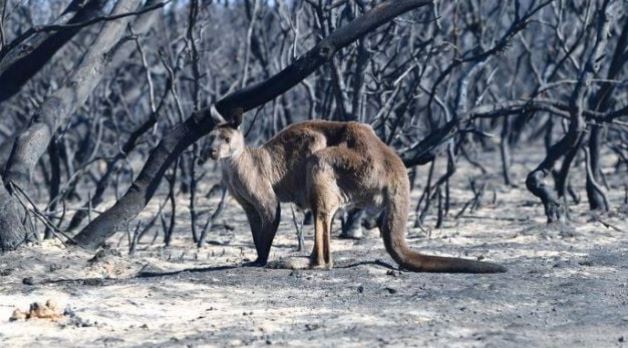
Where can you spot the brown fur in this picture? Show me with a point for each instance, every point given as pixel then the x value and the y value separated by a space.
pixel 324 166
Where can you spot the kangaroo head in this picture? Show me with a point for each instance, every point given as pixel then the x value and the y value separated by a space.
pixel 225 142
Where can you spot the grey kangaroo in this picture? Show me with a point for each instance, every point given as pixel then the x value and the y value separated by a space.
pixel 324 166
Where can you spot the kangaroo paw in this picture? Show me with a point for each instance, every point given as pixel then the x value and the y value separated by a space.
pixel 256 263
pixel 327 266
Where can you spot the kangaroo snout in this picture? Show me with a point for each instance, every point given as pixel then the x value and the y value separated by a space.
pixel 206 154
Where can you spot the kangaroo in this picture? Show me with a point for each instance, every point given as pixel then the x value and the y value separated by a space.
pixel 324 166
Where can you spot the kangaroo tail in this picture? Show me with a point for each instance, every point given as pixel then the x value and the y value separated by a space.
pixel 393 227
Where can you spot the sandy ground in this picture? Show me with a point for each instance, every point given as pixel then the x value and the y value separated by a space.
pixel 564 286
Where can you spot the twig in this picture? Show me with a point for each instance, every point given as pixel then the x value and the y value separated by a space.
pixel 37 213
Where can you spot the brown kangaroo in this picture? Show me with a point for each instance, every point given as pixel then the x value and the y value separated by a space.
pixel 324 166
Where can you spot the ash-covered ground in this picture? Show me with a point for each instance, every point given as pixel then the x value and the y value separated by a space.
pixel 565 285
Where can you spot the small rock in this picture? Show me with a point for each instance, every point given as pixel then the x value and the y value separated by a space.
pixel 44 312
pixel 78 321
pixel 51 304
pixel 36 310
pixel 69 311
pixel 312 327
pixel 54 267
pixel 620 339
pixel 391 290
pixel 360 289
pixel 18 315
pixel 28 281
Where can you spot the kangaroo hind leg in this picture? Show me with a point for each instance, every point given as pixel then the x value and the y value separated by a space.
pixel 325 197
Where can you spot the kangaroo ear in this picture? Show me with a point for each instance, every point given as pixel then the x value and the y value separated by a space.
pixel 216 116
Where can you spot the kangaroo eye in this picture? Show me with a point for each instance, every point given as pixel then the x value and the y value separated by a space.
pixel 227 138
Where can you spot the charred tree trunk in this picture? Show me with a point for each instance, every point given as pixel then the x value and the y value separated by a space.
pixel 12 231
pixel 600 102
pixel 595 193
pixel 55 181
pixel 504 150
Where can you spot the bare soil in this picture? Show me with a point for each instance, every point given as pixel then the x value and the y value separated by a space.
pixel 565 285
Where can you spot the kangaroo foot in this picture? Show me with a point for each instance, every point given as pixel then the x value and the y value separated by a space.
pixel 319 263
pixel 257 263
pixel 327 266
